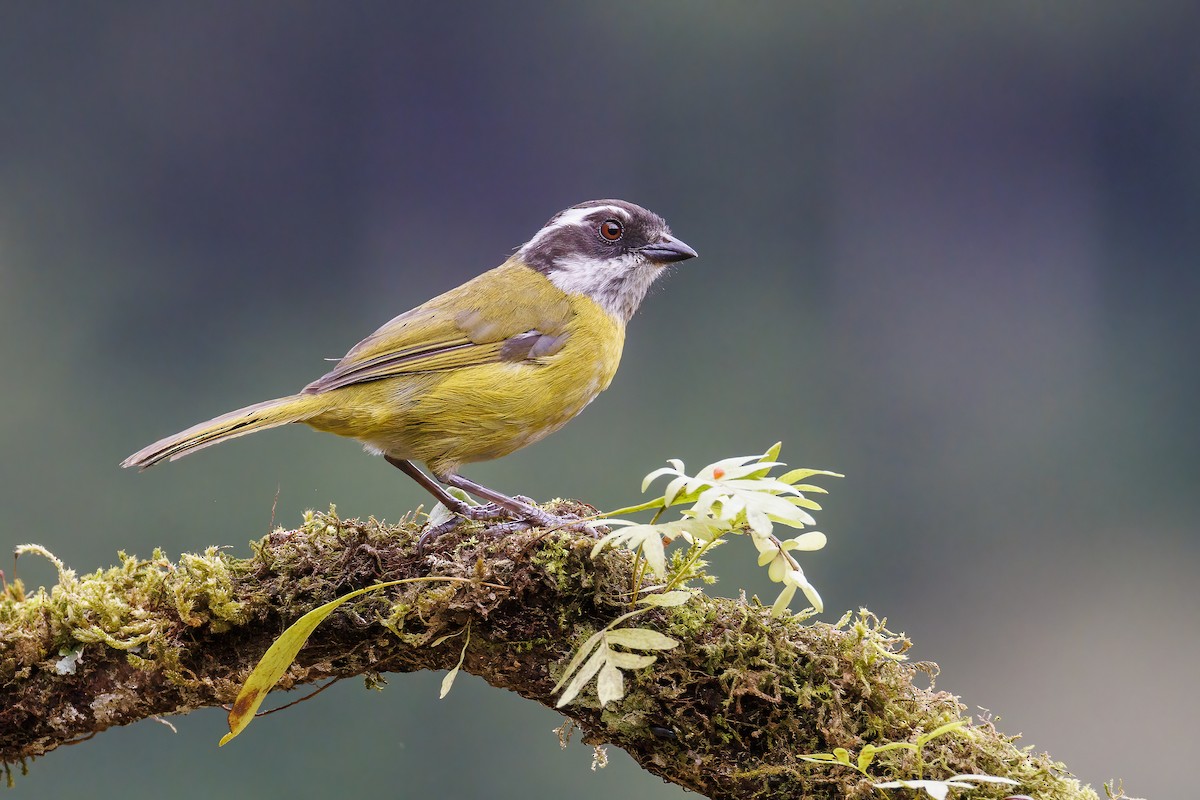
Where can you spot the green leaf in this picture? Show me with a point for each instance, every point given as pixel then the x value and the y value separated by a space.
pixel 630 660
pixel 940 730
pixel 583 652
pixel 691 528
pixel 801 474
pixel 640 639
pixel 448 681
pixel 783 601
pixel 735 467
pixel 279 657
pixel 813 596
pixel 866 757
pixel 647 538
pixel 821 758
pixel 610 685
pixel 439 514
pixel 671 493
pixel 439 640
pixel 812 540
pixel 675 468
pixel 767 461
pixel 590 668
pixel 667 599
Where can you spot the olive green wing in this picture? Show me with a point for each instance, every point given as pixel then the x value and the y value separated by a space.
pixel 511 313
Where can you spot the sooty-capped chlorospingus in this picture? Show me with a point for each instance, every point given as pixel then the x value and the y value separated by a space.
pixel 486 368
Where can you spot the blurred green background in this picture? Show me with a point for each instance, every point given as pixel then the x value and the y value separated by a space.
pixel 948 250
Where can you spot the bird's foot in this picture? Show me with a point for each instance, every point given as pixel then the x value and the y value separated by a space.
pixel 518 510
pixel 432 532
pixel 492 511
pixel 510 521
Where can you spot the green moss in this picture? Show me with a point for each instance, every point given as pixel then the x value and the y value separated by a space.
pixel 203 592
pixel 112 608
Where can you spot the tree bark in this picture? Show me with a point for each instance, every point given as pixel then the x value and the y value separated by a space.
pixel 725 714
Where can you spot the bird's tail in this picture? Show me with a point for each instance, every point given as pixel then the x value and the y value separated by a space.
pixel 257 417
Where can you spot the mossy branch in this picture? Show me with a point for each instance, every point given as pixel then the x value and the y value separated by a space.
pixel 726 714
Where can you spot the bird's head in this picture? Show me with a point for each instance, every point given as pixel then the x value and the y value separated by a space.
pixel 609 250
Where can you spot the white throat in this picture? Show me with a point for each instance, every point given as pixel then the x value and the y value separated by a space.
pixel 618 285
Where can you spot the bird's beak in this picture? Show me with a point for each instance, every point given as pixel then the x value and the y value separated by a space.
pixel 667 250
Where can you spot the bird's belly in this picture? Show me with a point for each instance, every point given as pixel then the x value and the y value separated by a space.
pixel 472 417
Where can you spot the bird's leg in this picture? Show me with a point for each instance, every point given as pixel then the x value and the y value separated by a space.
pixel 518 508
pixel 461 510
pixel 490 511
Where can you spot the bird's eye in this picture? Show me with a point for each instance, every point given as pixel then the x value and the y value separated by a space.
pixel 611 230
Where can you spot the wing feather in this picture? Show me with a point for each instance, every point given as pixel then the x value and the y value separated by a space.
pixel 492 318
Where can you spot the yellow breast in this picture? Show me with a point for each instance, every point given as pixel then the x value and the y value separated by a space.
pixel 488 411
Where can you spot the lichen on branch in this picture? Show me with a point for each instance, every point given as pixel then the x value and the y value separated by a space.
pixel 728 713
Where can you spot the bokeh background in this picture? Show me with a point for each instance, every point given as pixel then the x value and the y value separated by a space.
pixel 950 251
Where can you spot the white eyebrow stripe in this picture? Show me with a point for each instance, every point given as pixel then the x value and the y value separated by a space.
pixel 572 216
pixel 575 216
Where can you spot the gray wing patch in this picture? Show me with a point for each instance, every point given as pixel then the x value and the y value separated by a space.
pixel 532 345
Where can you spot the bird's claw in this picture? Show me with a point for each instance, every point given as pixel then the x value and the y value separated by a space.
pixel 487 511
pixel 434 531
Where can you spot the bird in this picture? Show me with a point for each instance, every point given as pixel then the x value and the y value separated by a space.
pixel 484 369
